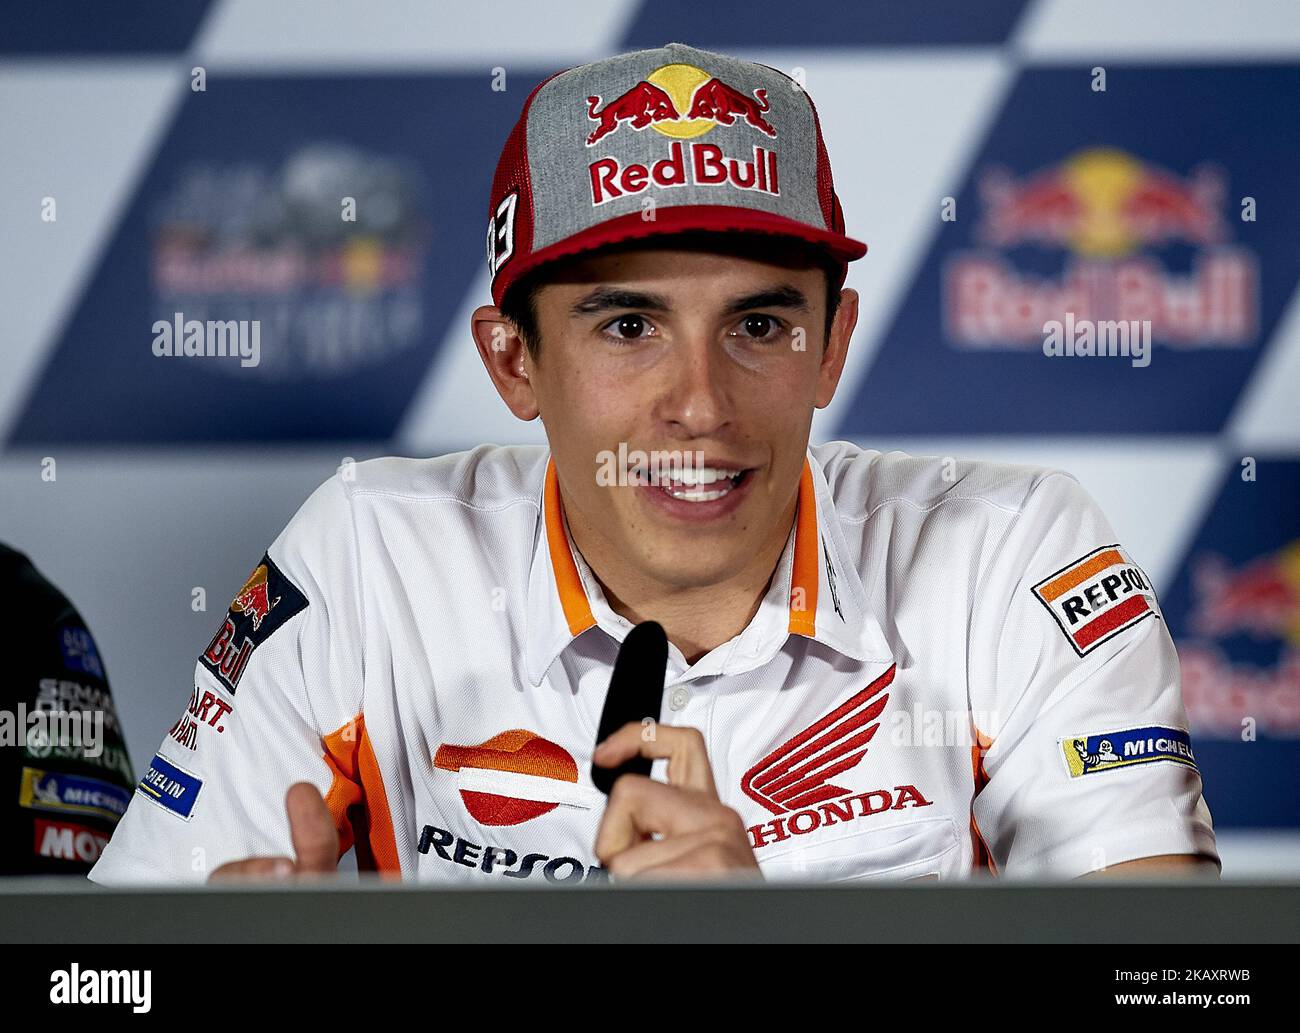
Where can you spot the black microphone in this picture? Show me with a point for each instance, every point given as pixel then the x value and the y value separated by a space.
pixel 636 691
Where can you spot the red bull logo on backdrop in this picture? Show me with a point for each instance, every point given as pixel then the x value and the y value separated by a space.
pixel 1108 210
pixel 1258 600
pixel 327 253
pixel 682 103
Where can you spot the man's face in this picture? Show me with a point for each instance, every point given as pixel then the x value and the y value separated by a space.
pixel 683 355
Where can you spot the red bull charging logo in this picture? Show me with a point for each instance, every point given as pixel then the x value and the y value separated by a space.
pixel 1108 209
pixel 689 98
pixel 1260 600
pixel 253 599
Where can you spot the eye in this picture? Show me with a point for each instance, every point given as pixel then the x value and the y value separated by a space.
pixel 627 328
pixel 758 326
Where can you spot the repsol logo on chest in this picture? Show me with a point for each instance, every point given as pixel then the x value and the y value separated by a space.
pixel 834 812
pixel 498 860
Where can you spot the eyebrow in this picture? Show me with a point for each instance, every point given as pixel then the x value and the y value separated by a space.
pixel 605 298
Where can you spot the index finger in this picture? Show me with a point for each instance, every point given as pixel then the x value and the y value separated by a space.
pixel 311 826
pixel 684 748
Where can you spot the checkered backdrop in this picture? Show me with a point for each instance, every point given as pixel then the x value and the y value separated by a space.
pixel 1006 161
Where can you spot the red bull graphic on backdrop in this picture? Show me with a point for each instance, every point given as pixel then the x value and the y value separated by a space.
pixel 1258 603
pixel 1105 208
pixel 1234 613
pixel 328 234
pixel 1113 216
pixel 263 604
pixel 681 102
pixel 275 245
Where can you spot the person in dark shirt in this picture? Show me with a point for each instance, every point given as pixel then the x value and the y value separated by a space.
pixel 65 773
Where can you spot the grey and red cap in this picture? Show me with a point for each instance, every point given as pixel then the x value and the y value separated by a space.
pixel 659 142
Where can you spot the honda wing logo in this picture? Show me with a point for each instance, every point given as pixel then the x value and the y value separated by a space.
pixel 798 773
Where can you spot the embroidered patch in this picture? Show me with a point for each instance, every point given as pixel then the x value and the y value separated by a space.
pixel 1097 596
pixel 75 794
pixel 1089 754
pixel 171 787
pixel 265 603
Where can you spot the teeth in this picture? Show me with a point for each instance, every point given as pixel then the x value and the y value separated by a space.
pixel 690 477
pixel 698 494
pixel 703 475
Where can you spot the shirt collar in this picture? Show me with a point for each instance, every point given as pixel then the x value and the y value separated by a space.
pixel 815 592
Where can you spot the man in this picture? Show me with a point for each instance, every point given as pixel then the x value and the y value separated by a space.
pixel 422 657
pixel 66 772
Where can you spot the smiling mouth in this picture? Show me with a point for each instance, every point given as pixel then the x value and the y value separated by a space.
pixel 693 484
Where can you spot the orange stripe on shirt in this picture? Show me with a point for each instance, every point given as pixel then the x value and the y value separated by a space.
pixel 804 578
pixel 573 597
pixel 357 800
pixel 983 855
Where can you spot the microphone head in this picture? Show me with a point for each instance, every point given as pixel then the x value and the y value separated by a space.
pixel 636 691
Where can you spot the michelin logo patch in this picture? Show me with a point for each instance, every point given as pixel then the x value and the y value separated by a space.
pixel 266 601
pixel 1097 596
pixel 1088 754
pixel 74 794
pixel 171 787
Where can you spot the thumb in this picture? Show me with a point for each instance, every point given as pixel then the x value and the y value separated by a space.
pixel 315 839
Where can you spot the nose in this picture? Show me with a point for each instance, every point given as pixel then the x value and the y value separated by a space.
pixel 697 393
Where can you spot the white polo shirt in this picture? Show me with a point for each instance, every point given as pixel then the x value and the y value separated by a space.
pixel 955 668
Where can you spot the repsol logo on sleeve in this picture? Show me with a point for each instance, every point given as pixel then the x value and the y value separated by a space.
pixel 1089 754
pixel 1097 596
pixel 265 602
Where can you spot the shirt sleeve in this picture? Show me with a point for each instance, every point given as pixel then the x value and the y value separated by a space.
pixel 276 700
pixel 1076 696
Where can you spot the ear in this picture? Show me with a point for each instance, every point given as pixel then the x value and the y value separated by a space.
pixel 837 347
pixel 507 360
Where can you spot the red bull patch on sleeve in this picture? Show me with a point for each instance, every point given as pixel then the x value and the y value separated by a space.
pixel 1104 751
pixel 1097 596
pixel 261 607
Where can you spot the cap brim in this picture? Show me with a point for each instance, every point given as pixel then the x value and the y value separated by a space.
pixel 679 219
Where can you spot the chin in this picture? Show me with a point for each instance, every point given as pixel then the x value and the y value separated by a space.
pixel 674 575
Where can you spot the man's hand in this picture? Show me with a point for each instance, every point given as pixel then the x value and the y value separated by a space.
pixel 701 835
pixel 315 842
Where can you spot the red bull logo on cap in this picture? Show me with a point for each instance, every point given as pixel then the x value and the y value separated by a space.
pixel 670 90
pixel 682 102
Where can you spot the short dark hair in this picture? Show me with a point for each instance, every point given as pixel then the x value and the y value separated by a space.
pixel 519 305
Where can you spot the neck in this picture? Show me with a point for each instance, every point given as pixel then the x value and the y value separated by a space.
pixel 695 619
